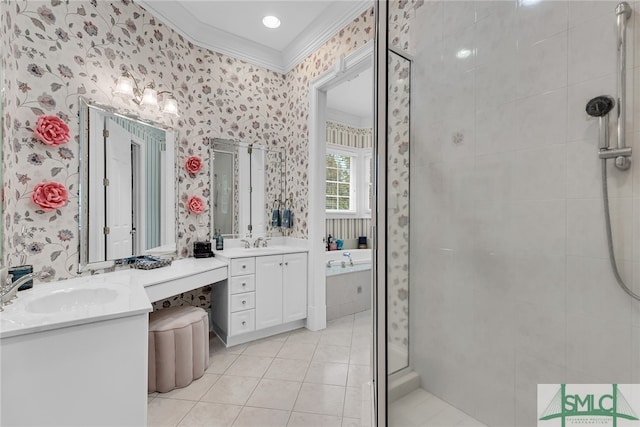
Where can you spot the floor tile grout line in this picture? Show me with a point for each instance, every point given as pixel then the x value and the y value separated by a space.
pixel 261 378
pixel 183 417
pixel 316 345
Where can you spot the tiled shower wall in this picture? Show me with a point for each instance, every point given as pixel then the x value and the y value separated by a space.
pixel 53 51
pixel 510 279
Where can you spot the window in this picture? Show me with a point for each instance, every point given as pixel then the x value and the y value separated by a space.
pixel 348 182
pixel 339 186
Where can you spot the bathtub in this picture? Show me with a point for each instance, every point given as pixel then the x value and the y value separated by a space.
pixel 348 287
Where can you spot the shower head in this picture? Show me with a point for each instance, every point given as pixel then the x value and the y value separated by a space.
pixel 600 106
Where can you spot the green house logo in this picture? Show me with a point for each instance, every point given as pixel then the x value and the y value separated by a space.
pixel 582 407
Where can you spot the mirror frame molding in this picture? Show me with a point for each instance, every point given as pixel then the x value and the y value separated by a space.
pixel 83 180
pixel 257 146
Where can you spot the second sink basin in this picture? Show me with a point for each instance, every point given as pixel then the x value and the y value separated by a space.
pixel 73 299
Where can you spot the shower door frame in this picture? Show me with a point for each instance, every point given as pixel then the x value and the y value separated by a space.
pixel 379 218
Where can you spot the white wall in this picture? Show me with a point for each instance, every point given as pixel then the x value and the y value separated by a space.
pixel 510 281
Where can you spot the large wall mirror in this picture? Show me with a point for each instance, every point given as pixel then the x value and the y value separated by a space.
pixel 127 187
pixel 247 182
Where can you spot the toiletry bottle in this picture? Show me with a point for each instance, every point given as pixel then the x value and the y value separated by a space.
pixel 329 240
pixel 219 242
pixel 215 237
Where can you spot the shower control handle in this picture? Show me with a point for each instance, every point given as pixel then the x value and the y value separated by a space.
pixel 623 163
pixel 622 156
pixel 615 153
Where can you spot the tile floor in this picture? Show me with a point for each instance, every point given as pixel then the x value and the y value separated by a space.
pixel 300 378
pixel 422 409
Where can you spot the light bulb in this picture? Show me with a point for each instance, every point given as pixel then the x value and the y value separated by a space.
pixel 149 97
pixel 170 107
pixel 124 87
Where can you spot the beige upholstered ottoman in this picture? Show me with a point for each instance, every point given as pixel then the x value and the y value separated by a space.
pixel 178 347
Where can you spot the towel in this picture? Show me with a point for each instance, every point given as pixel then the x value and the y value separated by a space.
pixel 275 218
pixel 287 219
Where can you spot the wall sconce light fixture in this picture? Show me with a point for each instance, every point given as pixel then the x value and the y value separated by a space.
pixel 128 88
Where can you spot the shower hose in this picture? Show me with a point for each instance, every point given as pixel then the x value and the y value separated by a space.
pixel 607 221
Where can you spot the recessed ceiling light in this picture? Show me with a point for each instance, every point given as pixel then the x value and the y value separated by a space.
pixel 271 21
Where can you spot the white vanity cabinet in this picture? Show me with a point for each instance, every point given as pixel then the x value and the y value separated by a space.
pixel 269 291
pixel 265 295
pixel 281 289
pixel 242 296
pixel 294 287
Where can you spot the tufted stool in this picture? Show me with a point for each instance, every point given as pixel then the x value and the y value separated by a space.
pixel 178 347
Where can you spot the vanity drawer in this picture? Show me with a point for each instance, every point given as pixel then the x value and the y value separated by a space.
pixel 241 266
pixel 244 301
pixel 241 284
pixel 243 321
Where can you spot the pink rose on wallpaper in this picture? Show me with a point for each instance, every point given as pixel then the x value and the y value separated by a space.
pixel 193 164
pixel 50 195
pixel 52 130
pixel 195 205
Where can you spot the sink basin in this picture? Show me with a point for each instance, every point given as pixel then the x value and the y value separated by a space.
pixel 74 299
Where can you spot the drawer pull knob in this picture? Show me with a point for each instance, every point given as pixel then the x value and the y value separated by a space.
pixel 280 263
pixel 244 323
pixel 286 263
pixel 244 283
pixel 244 266
pixel 244 301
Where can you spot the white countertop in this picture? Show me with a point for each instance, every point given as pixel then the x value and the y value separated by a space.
pixel 18 319
pixel 179 268
pixel 237 252
pixel 127 299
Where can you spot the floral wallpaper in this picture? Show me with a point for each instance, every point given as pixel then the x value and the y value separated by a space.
pixel 54 51
pixel 353 36
pixel 398 202
pixel 402 13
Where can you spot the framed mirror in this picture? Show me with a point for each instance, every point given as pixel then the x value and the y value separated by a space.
pixel 127 200
pixel 247 183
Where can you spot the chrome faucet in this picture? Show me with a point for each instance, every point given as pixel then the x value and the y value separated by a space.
pixel 10 288
pixel 256 243
pixel 329 262
pixel 247 245
pixel 348 254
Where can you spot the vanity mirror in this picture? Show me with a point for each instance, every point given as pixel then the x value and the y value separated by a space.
pixel 127 187
pixel 247 182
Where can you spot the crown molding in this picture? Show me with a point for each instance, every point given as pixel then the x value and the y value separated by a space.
pixel 212 38
pixel 321 31
pixel 206 36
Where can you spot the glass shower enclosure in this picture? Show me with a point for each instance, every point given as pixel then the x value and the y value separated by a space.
pixel 502 280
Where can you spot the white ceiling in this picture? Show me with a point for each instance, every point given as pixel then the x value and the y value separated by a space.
pixel 235 27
